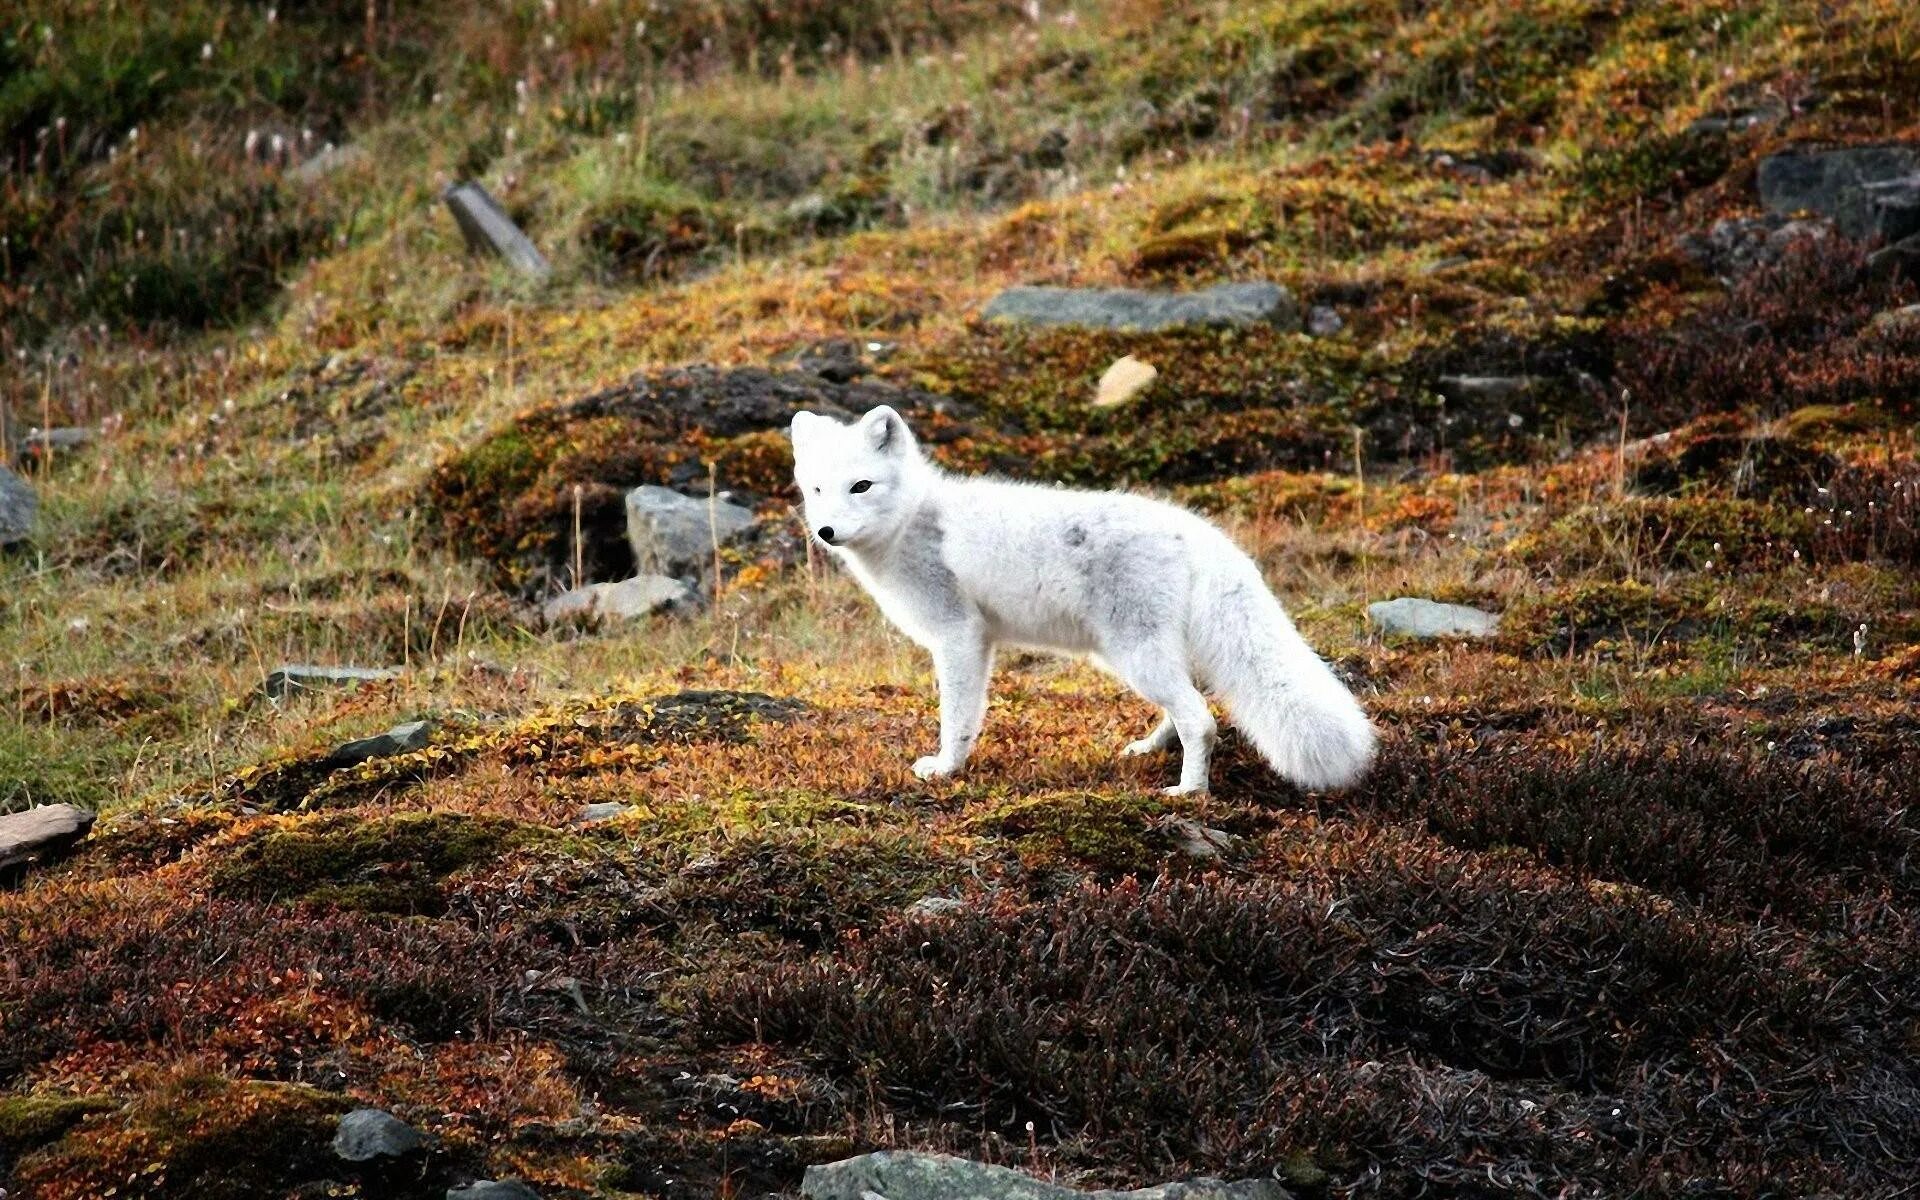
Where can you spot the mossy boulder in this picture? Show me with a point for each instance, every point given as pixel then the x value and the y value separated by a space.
pixel 31 1121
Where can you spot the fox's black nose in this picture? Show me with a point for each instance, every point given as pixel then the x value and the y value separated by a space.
pixel 826 534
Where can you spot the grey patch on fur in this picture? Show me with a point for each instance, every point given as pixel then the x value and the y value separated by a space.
pixel 922 560
pixel 1076 535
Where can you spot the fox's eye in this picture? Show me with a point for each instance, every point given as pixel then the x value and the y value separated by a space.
pixel 862 486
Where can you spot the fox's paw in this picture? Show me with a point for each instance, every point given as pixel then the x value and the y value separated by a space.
pixel 1181 789
pixel 933 766
pixel 1145 745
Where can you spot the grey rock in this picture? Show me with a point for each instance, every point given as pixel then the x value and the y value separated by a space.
pixel 1869 191
pixel 1132 308
pixel 1203 843
pixel 65 438
pixel 594 814
pixel 18 506
pixel 486 226
pixel 1486 388
pixel 1420 618
pixel 911 1175
pixel 368 1133
pixel 1898 261
pixel 628 600
pixel 1736 245
pixel 674 534
pixel 287 680
pixel 492 1189
pixel 40 834
pixel 398 740
pixel 935 906
pixel 1324 321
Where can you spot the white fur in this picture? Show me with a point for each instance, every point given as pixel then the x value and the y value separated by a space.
pixel 1151 592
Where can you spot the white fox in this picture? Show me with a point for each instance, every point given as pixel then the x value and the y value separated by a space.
pixel 1151 592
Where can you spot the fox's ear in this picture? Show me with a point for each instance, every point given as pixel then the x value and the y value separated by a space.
pixel 802 427
pixel 885 430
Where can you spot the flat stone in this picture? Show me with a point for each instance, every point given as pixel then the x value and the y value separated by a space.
pixel 1898 320
pixel 673 534
pixel 1865 189
pixel 594 814
pixel 368 1133
pixel 285 681
pixel 911 1175
pixel 1124 380
pixel 1226 304
pixel 398 740
pixel 1420 618
pixel 493 1189
pixel 627 600
pixel 40 834
pixel 1324 321
pixel 486 226
pixel 18 506
pixel 1202 843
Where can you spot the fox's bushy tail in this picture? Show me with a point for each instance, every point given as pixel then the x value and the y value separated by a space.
pixel 1282 695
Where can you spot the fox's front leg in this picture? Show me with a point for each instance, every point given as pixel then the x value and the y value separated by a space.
pixel 962 664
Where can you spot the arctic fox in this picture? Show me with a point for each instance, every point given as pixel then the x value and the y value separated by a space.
pixel 1151 592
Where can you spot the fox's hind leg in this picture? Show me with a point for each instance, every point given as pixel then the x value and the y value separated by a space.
pixel 1158 672
pixel 1163 736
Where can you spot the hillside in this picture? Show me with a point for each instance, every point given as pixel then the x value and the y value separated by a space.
pixel 1606 319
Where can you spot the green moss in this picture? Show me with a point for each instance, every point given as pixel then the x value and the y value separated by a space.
pixel 1109 833
pixel 1680 533
pixel 200 1136
pixel 394 864
pixel 29 1122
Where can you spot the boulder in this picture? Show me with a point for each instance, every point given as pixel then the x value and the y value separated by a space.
pixel 286 680
pixel 1898 261
pixel 1869 191
pixel 492 1189
pixel 1420 618
pixel 39 834
pixel 628 600
pixel 911 1175
pixel 1227 304
pixel 18 504
pixel 674 534
pixel 398 740
pixel 366 1134
pixel 486 226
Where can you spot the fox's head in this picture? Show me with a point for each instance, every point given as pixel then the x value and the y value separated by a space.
pixel 858 481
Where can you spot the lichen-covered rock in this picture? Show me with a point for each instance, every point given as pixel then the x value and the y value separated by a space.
pixel 1132 308
pixel 1869 191
pixel 910 1175
pixel 627 600
pixel 293 678
pixel 675 534
pixel 18 505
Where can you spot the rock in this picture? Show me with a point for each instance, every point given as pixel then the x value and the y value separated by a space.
pixel 18 504
pixel 628 600
pixel 1869 191
pixel 1324 321
pixel 911 1175
pixel 1430 619
pixel 366 1134
pixel 1196 841
pixel 1485 388
pixel 1736 245
pixel 1124 380
pixel 330 159
pixel 491 1189
pixel 595 814
pixel 674 534
pixel 836 360
pixel 38 443
pixel 935 906
pixel 1132 308
pixel 40 834
pixel 287 680
pixel 486 226
pixel 398 740
pixel 1898 320
pixel 1898 261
